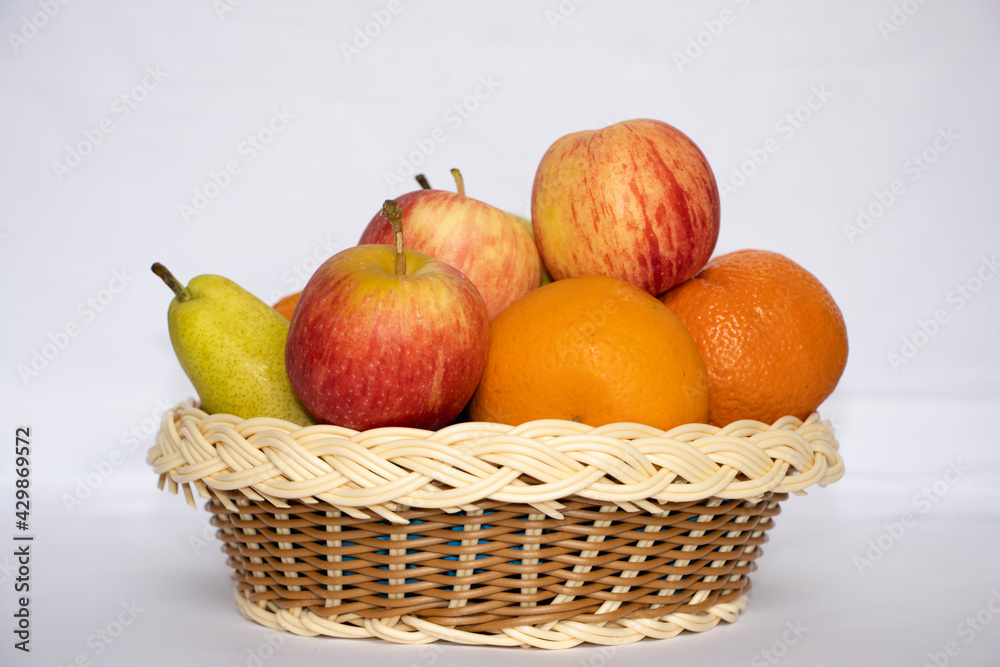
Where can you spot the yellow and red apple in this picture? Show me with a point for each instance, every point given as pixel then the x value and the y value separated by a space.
pixel 383 336
pixel 490 246
pixel 546 276
pixel 636 200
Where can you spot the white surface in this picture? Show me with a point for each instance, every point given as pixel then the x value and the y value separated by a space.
pixel 311 191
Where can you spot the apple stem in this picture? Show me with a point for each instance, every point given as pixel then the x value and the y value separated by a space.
pixel 423 181
pixel 394 214
pixel 182 293
pixel 459 181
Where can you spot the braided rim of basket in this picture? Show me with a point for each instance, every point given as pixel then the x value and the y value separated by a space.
pixel 537 463
pixel 560 635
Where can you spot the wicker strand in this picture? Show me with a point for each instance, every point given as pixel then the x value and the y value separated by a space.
pixel 537 463
pixel 562 634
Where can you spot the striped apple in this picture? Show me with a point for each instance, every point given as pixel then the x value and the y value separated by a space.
pixel 490 246
pixel 636 200
pixel 384 336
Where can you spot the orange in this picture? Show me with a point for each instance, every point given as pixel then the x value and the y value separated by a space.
pixel 772 337
pixel 591 349
pixel 286 306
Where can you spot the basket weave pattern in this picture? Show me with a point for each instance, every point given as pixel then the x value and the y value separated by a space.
pixel 549 534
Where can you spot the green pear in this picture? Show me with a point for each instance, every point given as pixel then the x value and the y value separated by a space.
pixel 231 345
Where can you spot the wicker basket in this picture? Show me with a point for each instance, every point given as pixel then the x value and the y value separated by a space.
pixel 549 535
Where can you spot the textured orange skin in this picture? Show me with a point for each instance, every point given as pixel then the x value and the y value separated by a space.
pixel 773 339
pixel 591 349
pixel 636 200
pixel 286 306
pixel 491 247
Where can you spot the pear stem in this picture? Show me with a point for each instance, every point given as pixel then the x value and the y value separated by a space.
pixel 182 293
pixel 459 181
pixel 423 181
pixel 394 214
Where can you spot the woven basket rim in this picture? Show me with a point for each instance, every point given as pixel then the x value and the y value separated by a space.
pixel 537 463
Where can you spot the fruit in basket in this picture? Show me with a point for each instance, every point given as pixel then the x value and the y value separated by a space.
pixel 773 339
pixel 231 345
pixel 488 245
pixel 387 337
pixel 546 276
pixel 636 200
pixel 591 349
pixel 286 305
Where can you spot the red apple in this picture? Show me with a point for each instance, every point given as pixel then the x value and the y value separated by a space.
pixel 387 337
pixel 490 246
pixel 636 200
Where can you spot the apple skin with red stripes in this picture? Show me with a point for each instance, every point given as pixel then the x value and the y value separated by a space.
pixel 636 200
pixel 490 246
pixel 373 344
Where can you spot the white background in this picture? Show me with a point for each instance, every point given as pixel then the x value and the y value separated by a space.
pixel 885 78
